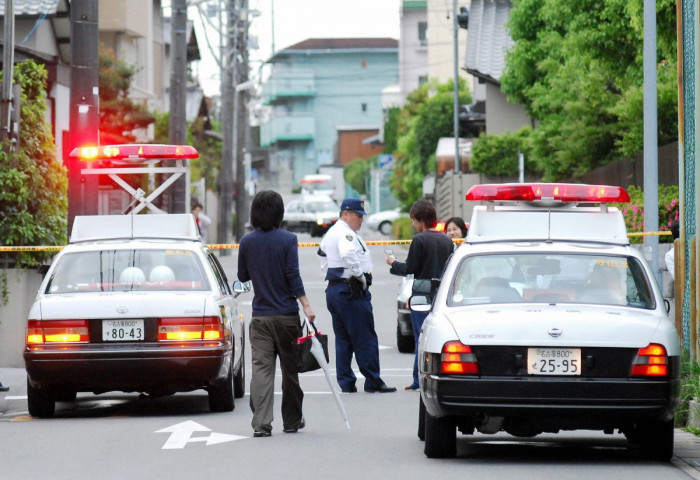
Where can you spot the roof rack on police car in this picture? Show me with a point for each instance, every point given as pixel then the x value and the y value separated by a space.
pixel 547 212
pixel 175 226
pixel 116 160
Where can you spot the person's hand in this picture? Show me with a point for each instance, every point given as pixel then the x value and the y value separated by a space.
pixel 309 313
pixel 362 280
pixel 390 259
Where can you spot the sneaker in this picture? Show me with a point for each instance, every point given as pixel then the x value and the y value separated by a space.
pixel 261 433
pixel 3 388
pixel 295 430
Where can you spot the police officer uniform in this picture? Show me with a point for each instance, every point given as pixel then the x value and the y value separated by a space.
pixel 349 274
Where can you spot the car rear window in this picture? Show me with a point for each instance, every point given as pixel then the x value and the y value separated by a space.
pixel 551 278
pixel 127 270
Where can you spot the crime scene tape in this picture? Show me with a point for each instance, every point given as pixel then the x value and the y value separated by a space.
pixel 234 246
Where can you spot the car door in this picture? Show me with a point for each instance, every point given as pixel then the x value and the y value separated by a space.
pixel 293 215
pixel 228 306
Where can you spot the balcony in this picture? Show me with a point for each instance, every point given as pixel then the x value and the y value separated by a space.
pixel 287 128
pixel 282 85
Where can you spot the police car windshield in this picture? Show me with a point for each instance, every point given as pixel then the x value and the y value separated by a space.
pixel 551 278
pixel 127 270
pixel 316 207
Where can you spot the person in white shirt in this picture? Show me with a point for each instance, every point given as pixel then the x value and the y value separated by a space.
pixel 349 275
pixel 669 257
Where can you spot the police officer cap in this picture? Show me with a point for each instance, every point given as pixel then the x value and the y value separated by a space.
pixel 354 205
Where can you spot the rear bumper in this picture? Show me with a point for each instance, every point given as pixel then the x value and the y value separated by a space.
pixel 165 369
pixel 613 400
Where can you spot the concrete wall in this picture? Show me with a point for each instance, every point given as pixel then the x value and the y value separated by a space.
pixel 22 286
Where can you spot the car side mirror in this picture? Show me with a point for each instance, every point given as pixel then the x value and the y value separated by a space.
pixel 667 304
pixel 419 303
pixel 240 287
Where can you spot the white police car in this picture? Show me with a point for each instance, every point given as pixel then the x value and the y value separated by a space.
pixel 546 320
pixel 134 303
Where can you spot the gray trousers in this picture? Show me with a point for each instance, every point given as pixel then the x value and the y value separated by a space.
pixel 270 337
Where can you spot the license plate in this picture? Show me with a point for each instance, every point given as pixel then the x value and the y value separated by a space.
pixel 554 361
pixel 122 330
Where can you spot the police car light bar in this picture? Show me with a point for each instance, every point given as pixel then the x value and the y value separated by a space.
pixel 563 192
pixel 135 152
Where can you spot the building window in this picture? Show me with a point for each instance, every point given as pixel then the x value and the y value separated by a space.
pixel 364 107
pixel 422 80
pixel 423 33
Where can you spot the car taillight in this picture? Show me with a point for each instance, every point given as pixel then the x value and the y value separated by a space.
pixel 651 361
pixel 458 358
pixel 57 331
pixel 190 328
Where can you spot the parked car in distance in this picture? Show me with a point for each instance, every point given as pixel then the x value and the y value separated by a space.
pixel 314 214
pixel 134 303
pixel 381 221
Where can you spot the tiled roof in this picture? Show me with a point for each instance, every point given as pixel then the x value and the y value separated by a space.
pixel 32 7
pixel 488 39
pixel 344 44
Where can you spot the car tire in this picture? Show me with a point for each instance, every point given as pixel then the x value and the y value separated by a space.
pixel 221 396
pixel 421 418
pixel 440 437
pixel 239 379
pixel 40 403
pixel 656 440
pixel 405 343
pixel 385 228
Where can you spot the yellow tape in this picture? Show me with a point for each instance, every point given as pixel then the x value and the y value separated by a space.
pixel 234 246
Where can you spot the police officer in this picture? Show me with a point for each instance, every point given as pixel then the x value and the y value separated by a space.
pixel 348 299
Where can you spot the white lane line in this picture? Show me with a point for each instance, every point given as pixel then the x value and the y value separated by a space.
pixel 16 397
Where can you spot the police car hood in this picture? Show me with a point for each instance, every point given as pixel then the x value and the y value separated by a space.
pixel 554 325
pixel 126 305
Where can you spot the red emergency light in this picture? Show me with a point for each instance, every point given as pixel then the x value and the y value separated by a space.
pixel 135 152
pixel 563 192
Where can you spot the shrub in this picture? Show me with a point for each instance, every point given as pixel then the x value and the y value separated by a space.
pixel 402 228
pixel 634 211
pixel 690 387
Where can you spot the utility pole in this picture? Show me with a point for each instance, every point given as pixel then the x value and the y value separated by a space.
pixel 225 180
pixel 241 123
pixel 177 128
pixel 84 106
pixel 455 103
pixel 8 61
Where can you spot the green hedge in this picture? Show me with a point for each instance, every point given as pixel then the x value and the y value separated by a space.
pixel 402 229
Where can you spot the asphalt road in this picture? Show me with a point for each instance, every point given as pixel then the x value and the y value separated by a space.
pixel 117 436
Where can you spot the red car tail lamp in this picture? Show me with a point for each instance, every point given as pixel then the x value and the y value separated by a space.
pixel 190 328
pixel 564 192
pixel 651 361
pixel 135 152
pixel 57 331
pixel 458 358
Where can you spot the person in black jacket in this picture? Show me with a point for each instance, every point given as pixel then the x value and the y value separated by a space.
pixel 426 259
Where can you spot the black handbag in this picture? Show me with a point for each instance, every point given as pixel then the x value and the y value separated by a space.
pixel 306 361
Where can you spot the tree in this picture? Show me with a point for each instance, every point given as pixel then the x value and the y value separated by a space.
pixel 356 173
pixel 426 117
pixel 33 184
pixel 119 114
pixel 577 68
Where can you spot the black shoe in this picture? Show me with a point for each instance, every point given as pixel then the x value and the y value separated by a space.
pixel 295 430
pixel 380 389
pixel 261 433
pixel 3 388
pixel 352 389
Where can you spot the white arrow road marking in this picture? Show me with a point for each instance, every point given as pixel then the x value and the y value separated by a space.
pixel 181 435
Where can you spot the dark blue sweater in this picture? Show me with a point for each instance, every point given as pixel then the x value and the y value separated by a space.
pixel 271 260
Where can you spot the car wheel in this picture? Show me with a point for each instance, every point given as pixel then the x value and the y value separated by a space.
pixel 421 418
pixel 405 343
pixel 656 439
pixel 40 403
pixel 221 396
pixel 440 437
pixel 385 228
pixel 239 379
